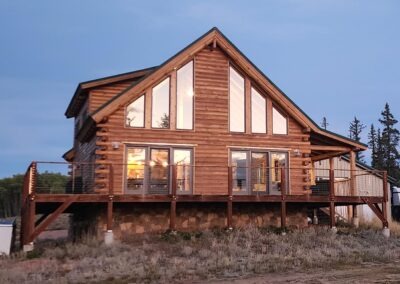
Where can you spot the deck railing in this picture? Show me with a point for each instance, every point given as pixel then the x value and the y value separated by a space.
pixel 161 179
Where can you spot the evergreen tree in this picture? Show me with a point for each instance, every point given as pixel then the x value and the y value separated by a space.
pixel 390 141
pixel 355 129
pixel 372 143
pixel 324 123
pixel 379 164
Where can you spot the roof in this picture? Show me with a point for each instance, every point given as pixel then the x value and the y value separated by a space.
pixel 81 91
pixel 216 37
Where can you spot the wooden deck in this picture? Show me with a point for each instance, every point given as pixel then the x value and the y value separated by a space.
pixel 52 205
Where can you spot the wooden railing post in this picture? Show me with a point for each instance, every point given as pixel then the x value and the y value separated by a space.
pixel 283 197
pixel 385 223
pixel 229 204
pixel 172 221
pixel 110 203
pixel 332 192
pixel 353 184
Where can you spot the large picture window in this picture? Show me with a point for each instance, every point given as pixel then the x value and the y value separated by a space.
pixel 160 105
pixel 258 112
pixel 236 101
pixel 239 171
pixel 279 122
pixel 183 162
pixel 184 97
pixel 135 113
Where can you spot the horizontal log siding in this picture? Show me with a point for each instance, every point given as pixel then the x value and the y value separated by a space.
pixel 99 96
pixel 210 135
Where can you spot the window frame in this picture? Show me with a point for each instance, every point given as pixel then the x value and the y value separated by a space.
pixel 146 182
pixel 169 103
pixel 144 112
pixel 193 97
pixel 231 66
pixel 269 153
pixel 278 109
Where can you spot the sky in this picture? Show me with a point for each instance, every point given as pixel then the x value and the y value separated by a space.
pixel 337 59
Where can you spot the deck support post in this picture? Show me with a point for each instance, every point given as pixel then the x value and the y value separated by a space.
pixel 229 204
pixel 315 217
pixel 283 198
pixel 385 223
pixel 109 235
pixel 332 194
pixel 172 219
pixel 355 219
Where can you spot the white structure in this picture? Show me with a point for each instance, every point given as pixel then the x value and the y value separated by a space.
pixel 6 234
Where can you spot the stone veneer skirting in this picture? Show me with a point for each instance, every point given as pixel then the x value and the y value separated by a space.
pixel 138 218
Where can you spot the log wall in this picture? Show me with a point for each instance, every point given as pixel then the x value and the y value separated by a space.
pixel 210 138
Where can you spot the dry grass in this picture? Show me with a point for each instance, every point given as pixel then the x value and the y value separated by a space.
pixel 188 257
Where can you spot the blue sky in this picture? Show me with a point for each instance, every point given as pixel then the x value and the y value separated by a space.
pixel 333 58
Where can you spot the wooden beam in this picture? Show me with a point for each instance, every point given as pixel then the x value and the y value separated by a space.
pixel 330 148
pixel 378 212
pixel 46 222
pixel 327 156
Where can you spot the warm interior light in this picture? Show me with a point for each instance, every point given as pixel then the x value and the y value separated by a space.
pixel 165 164
pixel 152 163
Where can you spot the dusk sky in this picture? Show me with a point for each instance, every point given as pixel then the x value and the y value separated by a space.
pixel 332 58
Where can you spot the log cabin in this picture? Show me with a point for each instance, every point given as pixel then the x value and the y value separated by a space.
pixel 204 140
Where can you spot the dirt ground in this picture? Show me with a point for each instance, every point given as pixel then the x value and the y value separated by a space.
pixel 365 273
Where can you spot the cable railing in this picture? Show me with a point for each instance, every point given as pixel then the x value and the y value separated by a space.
pixel 161 178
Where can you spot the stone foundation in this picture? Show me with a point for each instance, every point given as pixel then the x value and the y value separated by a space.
pixel 138 218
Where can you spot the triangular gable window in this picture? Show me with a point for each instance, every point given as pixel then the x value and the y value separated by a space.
pixel 135 113
pixel 279 122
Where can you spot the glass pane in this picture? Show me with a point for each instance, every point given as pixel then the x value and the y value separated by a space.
pixel 135 168
pixel 239 171
pixel 279 122
pixel 278 161
pixel 236 101
pixel 184 104
pixel 160 105
pixel 258 113
pixel 259 166
pixel 159 171
pixel 182 160
pixel 135 113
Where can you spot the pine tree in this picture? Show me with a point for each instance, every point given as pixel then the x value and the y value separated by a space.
pixel 324 123
pixel 379 163
pixel 390 141
pixel 355 129
pixel 372 143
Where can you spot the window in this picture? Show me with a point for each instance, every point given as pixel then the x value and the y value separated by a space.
pixel 160 105
pixel 258 172
pixel 236 101
pixel 278 163
pixel 159 171
pixel 184 97
pixel 183 162
pixel 135 169
pixel 148 170
pixel 239 171
pixel 279 122
pixel 135 113
pixel 258 112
